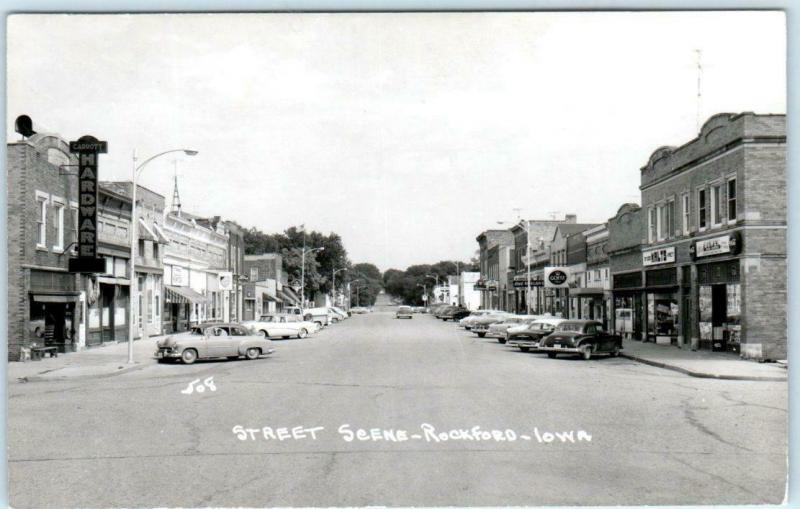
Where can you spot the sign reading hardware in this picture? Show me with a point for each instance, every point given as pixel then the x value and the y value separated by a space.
pixel 556 277
pixel 714 246
pixel 87 148
pixel 658 256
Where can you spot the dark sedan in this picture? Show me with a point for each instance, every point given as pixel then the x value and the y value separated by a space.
pixel 455 313
pixel 583 337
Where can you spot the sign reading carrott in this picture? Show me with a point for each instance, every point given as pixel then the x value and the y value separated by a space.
pixel 87 148
pixel 556 277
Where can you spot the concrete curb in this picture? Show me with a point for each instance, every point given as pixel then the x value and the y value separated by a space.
pixel 36 378
pixel 699 374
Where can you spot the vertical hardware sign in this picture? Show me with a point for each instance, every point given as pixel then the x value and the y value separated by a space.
pixel 87 148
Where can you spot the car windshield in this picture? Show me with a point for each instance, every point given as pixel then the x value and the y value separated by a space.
pixel 570 327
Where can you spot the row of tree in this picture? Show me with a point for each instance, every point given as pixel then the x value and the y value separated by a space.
pixel 410 284
pixel 320 264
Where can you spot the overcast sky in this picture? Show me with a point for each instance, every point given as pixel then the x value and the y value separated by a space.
pixel 407 134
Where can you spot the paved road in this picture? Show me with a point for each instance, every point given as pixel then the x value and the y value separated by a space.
pixel 657 437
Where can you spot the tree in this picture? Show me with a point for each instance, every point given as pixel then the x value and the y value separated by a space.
pixel 371 282
pixel 406 284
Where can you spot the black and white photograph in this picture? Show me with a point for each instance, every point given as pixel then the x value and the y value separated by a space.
pixel 396 259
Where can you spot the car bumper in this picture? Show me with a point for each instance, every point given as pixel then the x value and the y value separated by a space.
pixel 403 316
pixel 562 349
pixel 530 343
pixel 163 354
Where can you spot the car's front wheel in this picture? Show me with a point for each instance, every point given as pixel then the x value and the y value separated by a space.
pixel 524 349
pixel 481 334
pixel 502 341
pixel 252 353
pixel 263 333
pixel 189 356
pixel 552 355
pixel 303 333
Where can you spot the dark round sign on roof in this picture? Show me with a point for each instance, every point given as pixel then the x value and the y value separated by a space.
pixel 557 277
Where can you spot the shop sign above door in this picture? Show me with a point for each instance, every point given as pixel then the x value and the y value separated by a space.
pixel 658 256
pixel 717 245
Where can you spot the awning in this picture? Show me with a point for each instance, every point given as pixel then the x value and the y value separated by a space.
pixel 145 233
pixel 162 238
pixel 62 298
pixel 270 297
pixel 184 295
pixel 287 297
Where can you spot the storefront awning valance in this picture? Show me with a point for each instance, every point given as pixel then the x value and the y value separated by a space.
pixel 62 298
pixel 162 238
pixel 184 295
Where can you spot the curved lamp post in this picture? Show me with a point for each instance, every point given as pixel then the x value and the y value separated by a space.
pixel 134 288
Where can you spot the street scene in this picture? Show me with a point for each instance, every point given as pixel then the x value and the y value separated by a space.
pixel 661 431
pixel 398 259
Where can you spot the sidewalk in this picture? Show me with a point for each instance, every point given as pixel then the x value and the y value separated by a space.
pixel 102 361
pixel 703 364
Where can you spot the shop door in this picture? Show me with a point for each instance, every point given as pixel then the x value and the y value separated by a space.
pixel 107 313
pixel 719 311
pixel 686 328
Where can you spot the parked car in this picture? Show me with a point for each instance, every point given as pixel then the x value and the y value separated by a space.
pixel 455 313
pixel 320 316
pixel 439 311
pixel 583 337
pixel 337 315
pixel 358 310
pixel 346 313
pixel 481 324
pixel 527 336
pixel 282 326
pixel 498 329
pixel 403 312
pixel 210 340
pixel 469 320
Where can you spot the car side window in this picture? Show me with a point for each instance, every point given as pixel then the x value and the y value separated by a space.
pixel 591 329
pixel 237 331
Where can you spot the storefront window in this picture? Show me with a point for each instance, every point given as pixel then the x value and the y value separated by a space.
pixel 662 314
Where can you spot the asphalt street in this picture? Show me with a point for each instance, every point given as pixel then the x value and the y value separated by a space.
pixel 656 436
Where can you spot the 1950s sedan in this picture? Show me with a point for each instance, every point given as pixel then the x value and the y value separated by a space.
pixel 583 337
pixel 211 340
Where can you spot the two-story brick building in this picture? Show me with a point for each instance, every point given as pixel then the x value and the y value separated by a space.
pixel 489 284
pixel 715 241
pixel 625 231
pixel 48 305
pixel 592 294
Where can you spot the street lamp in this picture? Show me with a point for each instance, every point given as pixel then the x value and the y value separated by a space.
pixel 134 282
pixel 350 291
pixel 424 292
pixel 333 283
pixel 303 271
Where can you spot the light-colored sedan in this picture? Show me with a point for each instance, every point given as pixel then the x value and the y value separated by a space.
pixel 469 321
pixel 527 337
pixel 282 326
pixel 498 329
pixel 211 340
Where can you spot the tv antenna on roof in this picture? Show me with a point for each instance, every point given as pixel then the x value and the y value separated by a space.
pixel 517 210
pixel 553 213
pixel 699 55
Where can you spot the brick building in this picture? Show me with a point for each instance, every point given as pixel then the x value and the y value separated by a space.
pixel 540 232
pixel 714 252
pixel 625 234
pixel 592 294
pixel 568 252
pixel 489 287
pixel 47 305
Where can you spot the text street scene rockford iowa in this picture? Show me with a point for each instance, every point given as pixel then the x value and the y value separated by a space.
pixel 396 259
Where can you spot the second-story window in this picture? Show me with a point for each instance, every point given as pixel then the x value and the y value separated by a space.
pixel 716 205
pixel 253 273
pixel 732 199
pixel 41 222
pixel 652 225
pixel 685 209
pixel 701 208
pixel 58 217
